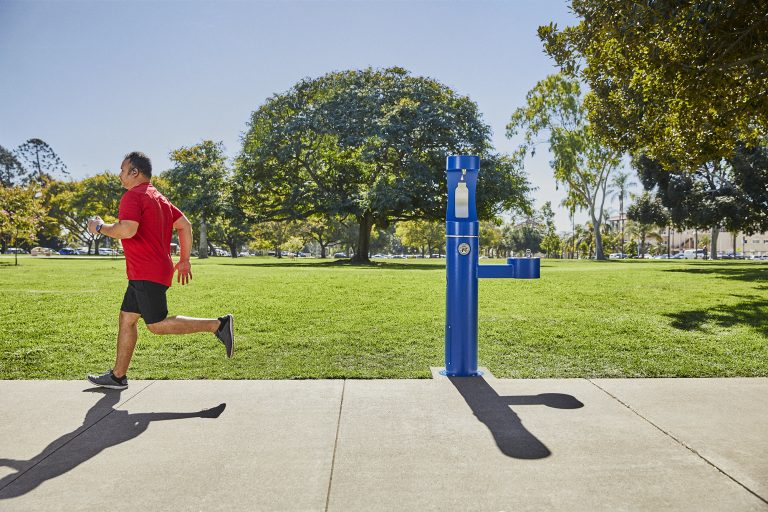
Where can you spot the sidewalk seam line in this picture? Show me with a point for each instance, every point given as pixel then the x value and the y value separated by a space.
pixel 680 442
pixel 335 444
pixel 75 437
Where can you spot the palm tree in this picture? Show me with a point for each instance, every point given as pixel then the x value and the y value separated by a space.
pixel 621 184
pixel 569 203
pixel 643 232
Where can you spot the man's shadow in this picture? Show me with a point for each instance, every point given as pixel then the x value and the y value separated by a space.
pixel 512 438
pixel 124 426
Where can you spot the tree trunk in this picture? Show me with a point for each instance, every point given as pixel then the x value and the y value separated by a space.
pixel 696 244
pixel 598 240
pixel 365 223
pixel 232 244
pixel 203 248
pixel 734 244
pixel 322 250
pixel 713 248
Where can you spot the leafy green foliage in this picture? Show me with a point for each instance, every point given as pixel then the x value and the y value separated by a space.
pixel 370 145
pixel 70 204
pixel 11 170
pixel 197 184
pixel 20 214
pixel 581 161
pixel 729 193
pixel 647 213
pixel 682 81
pixel 326 231
pixel 423 235
pixel 40 161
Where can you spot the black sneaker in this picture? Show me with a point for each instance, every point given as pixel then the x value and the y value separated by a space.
pixel 226 334
pixel 108 380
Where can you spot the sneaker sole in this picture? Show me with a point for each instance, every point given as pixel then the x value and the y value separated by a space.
pixel 108 386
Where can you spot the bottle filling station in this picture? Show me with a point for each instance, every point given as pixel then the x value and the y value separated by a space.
pixel 462 231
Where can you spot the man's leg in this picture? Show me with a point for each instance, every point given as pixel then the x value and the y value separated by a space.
pixel 222 327
pixel 184 325
pixel 127 335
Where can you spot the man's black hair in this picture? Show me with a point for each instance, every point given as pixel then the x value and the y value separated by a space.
pixel 140 162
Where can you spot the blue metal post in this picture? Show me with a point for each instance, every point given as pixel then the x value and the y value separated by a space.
pixel 462 231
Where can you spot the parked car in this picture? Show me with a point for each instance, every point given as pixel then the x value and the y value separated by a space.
pixel 42 251
pixel 15 250
pixel 105 251
pixel 68 251
pixel 617 256
pixel 340 255
pixel 678 256
pixel 691 254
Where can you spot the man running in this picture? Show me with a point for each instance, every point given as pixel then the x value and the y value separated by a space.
pixel 146 222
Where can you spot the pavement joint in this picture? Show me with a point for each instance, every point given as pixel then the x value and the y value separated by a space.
pixel 335 444
pixel 22 473
pixel 679 441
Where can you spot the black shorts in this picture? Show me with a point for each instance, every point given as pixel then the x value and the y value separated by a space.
pixel 147 299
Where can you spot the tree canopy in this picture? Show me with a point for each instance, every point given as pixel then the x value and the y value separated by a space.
pixel 581 160
pixel 11 170
pixel 731 193
pixel 197 184
pixel 20 214
pixel 369 144
pixel 40 160
pixel 679 81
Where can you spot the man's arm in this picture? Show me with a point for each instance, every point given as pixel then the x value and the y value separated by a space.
pixel 184 229
pixel 120 229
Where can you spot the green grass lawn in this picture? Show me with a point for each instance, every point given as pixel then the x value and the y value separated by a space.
pixel 311 319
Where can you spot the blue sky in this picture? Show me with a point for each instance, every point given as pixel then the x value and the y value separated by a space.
pixel 98 79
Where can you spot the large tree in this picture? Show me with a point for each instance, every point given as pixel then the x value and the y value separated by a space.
pixel 621 184
pixel 371 145
pixel 580 159
pixel 71 203
pixel 40 161
pixel 197 182
pixel 326 231
pixel 727 194
pixel 20 215
pixel 681 81
pixel 11 170
pixel 423 235
pixel 646 213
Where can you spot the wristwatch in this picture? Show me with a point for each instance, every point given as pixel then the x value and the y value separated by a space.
pixel 98 228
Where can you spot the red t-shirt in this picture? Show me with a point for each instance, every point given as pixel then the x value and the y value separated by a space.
pixel 148 252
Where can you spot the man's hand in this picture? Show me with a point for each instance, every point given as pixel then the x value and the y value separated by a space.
pixel 184 269
pixel 92 223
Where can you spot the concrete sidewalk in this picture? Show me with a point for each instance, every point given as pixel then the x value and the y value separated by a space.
pixel 358 445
